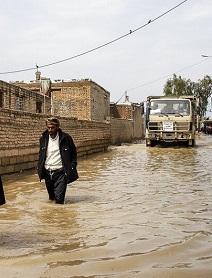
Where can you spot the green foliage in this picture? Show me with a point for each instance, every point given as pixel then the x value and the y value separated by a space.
pixel 178 86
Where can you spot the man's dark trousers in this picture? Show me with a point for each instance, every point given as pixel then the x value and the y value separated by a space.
pixel 56 185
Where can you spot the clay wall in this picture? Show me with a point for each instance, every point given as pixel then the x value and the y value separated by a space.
pixel 121 131
pixel 20 133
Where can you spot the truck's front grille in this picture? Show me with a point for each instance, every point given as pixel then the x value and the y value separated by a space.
pixel 154 125
pixel 177 126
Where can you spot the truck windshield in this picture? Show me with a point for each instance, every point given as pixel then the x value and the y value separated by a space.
pixel 168 106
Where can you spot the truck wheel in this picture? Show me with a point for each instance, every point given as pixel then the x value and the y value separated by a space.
pixel 191 143
pixel 148 143
pixel 153 143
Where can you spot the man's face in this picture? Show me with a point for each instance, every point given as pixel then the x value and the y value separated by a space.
pixel 52 129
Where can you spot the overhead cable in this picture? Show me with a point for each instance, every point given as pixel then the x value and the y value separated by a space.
pixel 166 76
pixel 98 47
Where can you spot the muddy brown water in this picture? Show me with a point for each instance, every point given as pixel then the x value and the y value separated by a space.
pixel 134 212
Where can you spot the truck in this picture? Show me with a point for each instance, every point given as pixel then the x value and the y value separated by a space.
pixel 207 126
pixel 171 119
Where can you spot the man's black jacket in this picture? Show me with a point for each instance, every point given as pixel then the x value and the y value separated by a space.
pixel 68 154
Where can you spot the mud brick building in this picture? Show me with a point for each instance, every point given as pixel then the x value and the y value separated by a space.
pixel 83 99
pixel 21 99
pixel 127 121
pixel 86 100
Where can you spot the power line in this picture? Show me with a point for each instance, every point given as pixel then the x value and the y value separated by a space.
pixel 166 76
pixel 98 47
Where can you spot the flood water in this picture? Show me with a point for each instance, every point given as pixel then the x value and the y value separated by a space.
pixel 134 212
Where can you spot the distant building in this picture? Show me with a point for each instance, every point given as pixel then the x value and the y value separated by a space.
pixel 21 99
pixel 83 99
pixel 130 111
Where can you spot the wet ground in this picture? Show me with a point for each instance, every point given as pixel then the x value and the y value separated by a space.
pixel 134 212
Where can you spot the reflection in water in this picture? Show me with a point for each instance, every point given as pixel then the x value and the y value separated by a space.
pixel 134 212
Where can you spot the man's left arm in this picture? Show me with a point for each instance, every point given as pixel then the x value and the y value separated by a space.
pixel 73 152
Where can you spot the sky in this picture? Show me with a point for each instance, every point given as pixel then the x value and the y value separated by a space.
pixel 94 38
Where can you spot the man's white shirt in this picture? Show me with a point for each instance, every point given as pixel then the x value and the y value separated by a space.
pixel 53 157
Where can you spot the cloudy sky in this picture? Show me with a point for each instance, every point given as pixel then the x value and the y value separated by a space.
pixel 43 32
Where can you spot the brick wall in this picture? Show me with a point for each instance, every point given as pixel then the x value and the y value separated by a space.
pixel 121 111
pixel 20 133
pixel 121 131
pixel 71 100
pixel 131 122
pixel 100 103
pixel 83 99
pixel 138 123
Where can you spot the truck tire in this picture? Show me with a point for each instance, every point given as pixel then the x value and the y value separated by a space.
pixel 148 143
pixel 190 143
pixel 151 143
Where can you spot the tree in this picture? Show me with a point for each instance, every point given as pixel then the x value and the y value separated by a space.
pixel 178 86
pixel 204 91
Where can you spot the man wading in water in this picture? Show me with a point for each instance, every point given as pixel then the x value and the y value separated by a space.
pixel 57 160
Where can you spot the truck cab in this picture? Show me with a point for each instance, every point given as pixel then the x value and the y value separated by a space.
pixel 171 119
